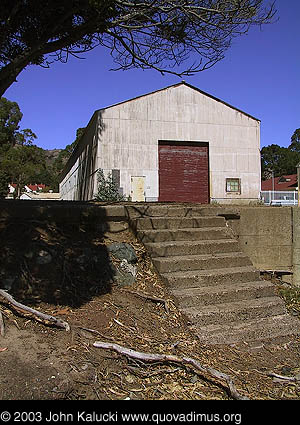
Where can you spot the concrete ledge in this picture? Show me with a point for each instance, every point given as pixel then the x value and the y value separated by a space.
pixel 270 236
pixel 69 211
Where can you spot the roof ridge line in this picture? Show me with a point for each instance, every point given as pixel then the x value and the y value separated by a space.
pixel 183 82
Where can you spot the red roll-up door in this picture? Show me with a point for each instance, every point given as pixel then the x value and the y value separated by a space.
pixel 183 172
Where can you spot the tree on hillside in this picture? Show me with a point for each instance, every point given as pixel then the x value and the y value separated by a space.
pixel 271 160
pixel 21 162
pixel 279 160
pixel 4 181
pixel 10 117
pixel 68 150
pixel 143 34
pixel 10 133
pixel 56 167
pixel 295 141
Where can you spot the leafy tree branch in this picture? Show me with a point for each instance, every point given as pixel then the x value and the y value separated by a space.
pixel 279 160
pixel 158 34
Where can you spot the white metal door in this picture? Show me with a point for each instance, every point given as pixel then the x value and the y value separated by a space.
pixel 138 189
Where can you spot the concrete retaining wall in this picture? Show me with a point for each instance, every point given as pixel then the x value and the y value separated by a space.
pixel 270 236
pixel 266 235
pixel 296 246
pixel 106 218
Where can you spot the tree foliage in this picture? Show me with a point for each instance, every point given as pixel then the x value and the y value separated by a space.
pixel 295 141
pixel 10 117
pixel 21 162
pixel 159 34
pixel 68 150
pixel 279 160
pixel 4 181
pixel 59 163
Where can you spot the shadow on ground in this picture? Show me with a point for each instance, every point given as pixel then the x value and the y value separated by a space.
pixel 56 257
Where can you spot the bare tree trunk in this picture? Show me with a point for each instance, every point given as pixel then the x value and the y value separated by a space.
pixel 7 79
pixel 10 72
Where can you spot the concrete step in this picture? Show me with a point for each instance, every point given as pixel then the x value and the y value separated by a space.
pixel 236 311
pixel 171 248
pixel 213 277
pixel 200 262
pixel 237 291
pixel 156 223
pixel 258 329
pixel 135 211
pixel 210 233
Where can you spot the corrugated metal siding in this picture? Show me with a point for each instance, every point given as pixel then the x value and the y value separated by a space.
pixel 183 172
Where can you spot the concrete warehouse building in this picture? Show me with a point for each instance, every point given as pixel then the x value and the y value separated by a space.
pixel 174 144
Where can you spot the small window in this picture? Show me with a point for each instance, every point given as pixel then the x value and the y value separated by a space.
pixel 233 186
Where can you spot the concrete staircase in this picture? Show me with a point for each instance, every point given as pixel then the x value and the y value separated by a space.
pixel 215 283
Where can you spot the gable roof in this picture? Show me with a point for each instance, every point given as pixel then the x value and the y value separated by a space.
pixel 36 187
pixel 30 187
pixel 79 147
pixel 182 83
pixel 286 182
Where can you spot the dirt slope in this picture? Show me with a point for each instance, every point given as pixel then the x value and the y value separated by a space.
pixel 63 271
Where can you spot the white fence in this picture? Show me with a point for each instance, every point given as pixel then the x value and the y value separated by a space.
pixel 270 197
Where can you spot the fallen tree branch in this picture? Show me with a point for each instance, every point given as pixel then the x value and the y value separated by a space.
pixel 284 378
pixel 151 298
pixel 23 309
pixel 149 357
pixel 2 329
pixel 95 332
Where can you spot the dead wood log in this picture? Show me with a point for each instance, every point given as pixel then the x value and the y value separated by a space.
pixel 284 379
pixel 149 357
pixel 151 298
pixel 95 332
pixel 25 310
pixel 2 329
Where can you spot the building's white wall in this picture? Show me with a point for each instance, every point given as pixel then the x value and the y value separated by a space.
pixel 130 131
pixel 79 180
pixel 133 128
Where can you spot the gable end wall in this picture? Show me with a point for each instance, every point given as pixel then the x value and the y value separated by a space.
pixel 131 130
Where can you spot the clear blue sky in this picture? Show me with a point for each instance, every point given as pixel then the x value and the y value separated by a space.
pixel 259 75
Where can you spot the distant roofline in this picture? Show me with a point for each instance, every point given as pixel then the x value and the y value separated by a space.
pixel 176 85
pixel 267 185
pixel 282 175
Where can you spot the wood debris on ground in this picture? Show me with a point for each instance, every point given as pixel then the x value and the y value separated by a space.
pixel 143 317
